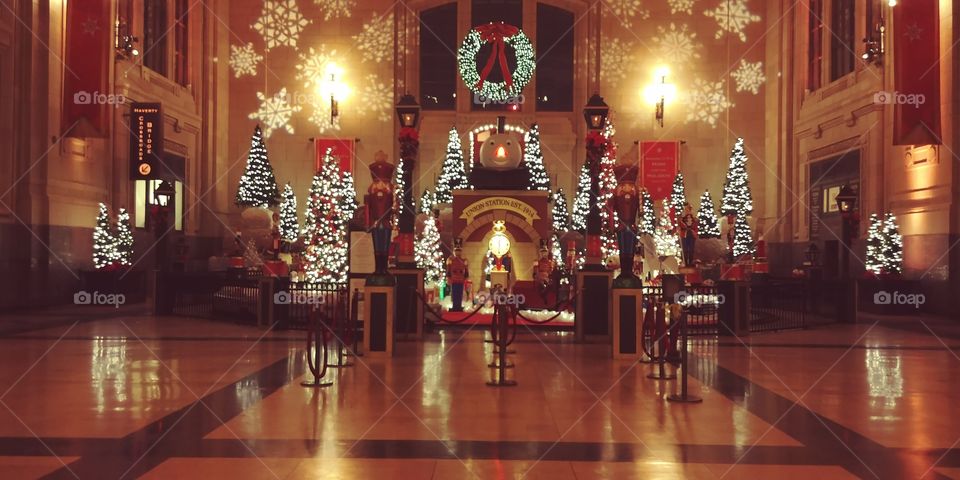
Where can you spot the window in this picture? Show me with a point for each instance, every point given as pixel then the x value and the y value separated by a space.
pixel 814 44
pixel 506 11
pixel 842 45
pixel 555 61
pixel 154 36
pixel 181 43
pixel 438 57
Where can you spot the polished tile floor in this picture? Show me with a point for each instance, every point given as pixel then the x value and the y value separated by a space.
pixel 131 395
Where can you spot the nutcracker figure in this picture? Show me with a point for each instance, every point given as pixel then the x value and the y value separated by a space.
pixel 688 226
pixel 543 270
pixel 626 202
pixel 379 205
pixel 457 274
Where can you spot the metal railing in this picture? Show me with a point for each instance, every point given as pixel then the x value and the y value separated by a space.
pixel 294 303
pixel 702 309
pixel 213 295
pixel 778 304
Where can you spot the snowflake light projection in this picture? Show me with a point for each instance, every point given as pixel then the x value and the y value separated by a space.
pixel 375 99
pixel 335 8
pixel 375 41
pixel 626 10
pixel 275 112
pixel 280 23
pixel 616 56
pixel 749 76
pixel 244 60
pixel 313 65
pixel 681 6
pixel 678 45
pixel 732 16
pixel 706 102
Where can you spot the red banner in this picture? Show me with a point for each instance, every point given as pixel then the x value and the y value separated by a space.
pixel 86 63
pixel 341 148
pixel 916 73
pixel 659 163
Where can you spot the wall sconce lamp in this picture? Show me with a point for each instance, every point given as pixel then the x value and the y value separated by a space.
pixel 332 86
pixel 873 53
pixel 125 43
pixel 659 93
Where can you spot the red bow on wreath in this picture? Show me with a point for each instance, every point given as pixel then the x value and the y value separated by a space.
pixel 496 33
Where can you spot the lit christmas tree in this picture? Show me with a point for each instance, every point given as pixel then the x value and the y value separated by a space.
pixel 104 245
pixel 289 226
pixel 258 187
pixel 326 253
pixel 452 174
pixel 581 203
pixel 608 184
pixel 556 251
pixel 348 195
pixel 427 252
pixel 665 239
pixel 123 250
pixel 737 199
pixel 678 197
pixel 709 224
pixel 310 210
pixel 893 246
pixel 648 217
pixel 427 201
pixel 533 160
pixel 742 237
pixel 875 246
pixel 560 215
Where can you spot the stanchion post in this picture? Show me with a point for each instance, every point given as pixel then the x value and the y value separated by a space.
pixel 684 396
pixel 317 353
pixel 501 317
pixel 661 343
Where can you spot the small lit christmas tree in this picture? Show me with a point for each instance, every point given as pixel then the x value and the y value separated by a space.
pixel 326 253
pixel 893 246
pixel 742 237
pixel 665 239
pixel 709 224
pixel 310 209
pixel 648 217
pixel 124 239
pixel 875 246
pixel 348 195
pixel 258 187
pixel 559 213
pixel 737 199
pixel 556 251
pixel 427 201
pixel 453 176
pixel 533 160
pixel 104 245
pixel 678 197
pixel 427 252
pixel 289 225
pixel 581 203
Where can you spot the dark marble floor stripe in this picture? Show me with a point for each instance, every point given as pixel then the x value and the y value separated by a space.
pixel 834 346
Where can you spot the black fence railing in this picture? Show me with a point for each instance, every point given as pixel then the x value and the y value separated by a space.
pixel 778 304
pixel 214 295
pixel 702 302
pixel 297 304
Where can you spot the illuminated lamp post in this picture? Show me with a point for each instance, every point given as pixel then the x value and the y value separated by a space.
pixel 595 113
pixel 408 113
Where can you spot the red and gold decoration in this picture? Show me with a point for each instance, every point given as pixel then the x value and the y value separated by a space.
pixel 501 36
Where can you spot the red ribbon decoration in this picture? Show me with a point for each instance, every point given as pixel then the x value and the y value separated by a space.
pixel 495 33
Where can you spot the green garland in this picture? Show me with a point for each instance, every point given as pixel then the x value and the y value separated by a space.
pixel 496 91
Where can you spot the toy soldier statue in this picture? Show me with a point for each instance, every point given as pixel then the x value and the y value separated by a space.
pixel 688 226
pixel 379 204
pixel 457 274
pixel 626 202
pixel 543 270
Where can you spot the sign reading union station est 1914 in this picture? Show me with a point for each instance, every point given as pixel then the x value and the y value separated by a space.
pixel 514 205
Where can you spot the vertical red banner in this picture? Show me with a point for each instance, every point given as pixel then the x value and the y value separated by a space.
pixel 916 100
pixel 340 148
pixel 659 163
pixel 86 66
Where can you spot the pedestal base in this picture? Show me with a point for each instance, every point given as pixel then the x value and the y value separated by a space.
pixel 592 322
pixel 627 319
pixel 409 308
pixel 379 311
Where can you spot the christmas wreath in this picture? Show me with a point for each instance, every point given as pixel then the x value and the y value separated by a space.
pixel 500 35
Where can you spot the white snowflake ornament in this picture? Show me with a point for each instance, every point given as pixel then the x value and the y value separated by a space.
pixel 677 45
pixel 335 8
pixel 732 16
pixel 749 76
pixel 376 99
pixel 627 10
pixel 707 102
pixel 616 56
pixel 314 64
pixel 280 23
pixel 375 40
pixel 681 6
pixel 275 112
pixel 244 60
